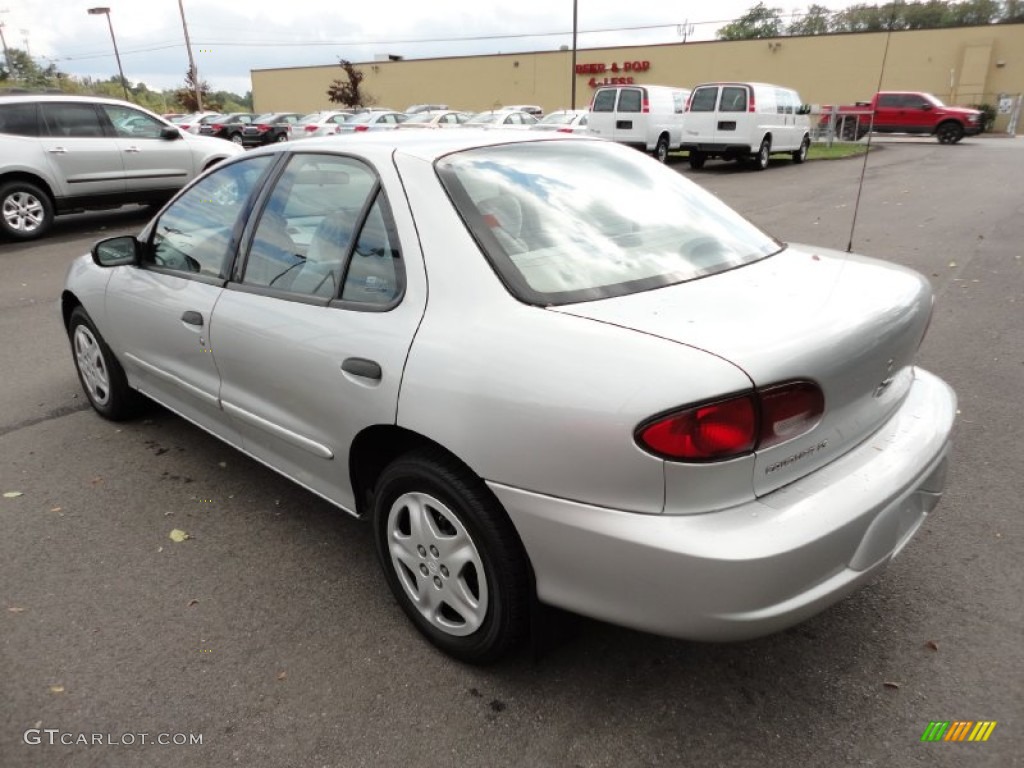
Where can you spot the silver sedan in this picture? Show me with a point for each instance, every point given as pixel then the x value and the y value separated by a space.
pixel 542 367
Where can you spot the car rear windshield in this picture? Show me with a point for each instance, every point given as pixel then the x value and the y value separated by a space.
pixel 569 221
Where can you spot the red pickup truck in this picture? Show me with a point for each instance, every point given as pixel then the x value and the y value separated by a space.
pixel 906 112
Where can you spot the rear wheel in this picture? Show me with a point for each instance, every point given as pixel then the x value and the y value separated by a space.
pixel 25 210
pixel 661 150
pixel 451 557
pixel 101 375
pixel 949 133
pixel 236 138
pixel 801 154
pixel 759 161
pixel 281 137
pixel 697 159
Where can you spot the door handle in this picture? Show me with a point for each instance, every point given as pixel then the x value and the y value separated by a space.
pixel 132 148
pixel 57 151
pixel 360 366
pixel 192 318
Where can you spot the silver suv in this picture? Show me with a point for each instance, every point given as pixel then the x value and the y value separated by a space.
pixel 61 154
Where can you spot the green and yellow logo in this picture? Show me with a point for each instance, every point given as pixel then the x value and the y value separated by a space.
pixel 958 730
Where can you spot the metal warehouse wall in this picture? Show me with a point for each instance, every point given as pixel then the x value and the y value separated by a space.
pixel 964 65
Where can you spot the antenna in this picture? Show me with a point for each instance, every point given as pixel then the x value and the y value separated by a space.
pixel 871 127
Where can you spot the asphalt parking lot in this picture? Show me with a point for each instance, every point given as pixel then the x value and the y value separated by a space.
pixel 271 634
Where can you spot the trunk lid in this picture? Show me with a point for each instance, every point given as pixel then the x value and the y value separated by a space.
pixel 850 323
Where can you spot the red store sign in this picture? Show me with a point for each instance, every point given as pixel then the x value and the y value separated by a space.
pixel 614 68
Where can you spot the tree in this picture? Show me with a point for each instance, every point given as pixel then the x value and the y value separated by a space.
pixel 759 21
pixel 346 92
pixel 971 12
pixel 1013 11
pixel 187 96
pixel 816 21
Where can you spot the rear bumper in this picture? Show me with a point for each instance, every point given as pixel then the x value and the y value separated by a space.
pixel 756 568
pixel 718 149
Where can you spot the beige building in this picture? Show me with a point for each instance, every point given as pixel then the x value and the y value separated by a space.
pixel 963 65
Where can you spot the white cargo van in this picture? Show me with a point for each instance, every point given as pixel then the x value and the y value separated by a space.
pixel 738 121
pixel 648 117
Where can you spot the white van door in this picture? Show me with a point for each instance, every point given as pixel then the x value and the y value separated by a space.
pixel 701 118
pixel 736 124
pixel 602 113
pixel 630 120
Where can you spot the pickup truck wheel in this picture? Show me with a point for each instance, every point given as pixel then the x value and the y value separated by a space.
pixel 25 211
pixel 697 159
pixel 760 161
pixel 801 154
pixel 661 150
pixel 949 133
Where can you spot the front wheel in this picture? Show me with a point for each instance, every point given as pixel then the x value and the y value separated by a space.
pixel 801 154
pixel 949 133
pixel 451 557
pixel 661 150
pixel 760 161
pixel 101 375
pixel 281 137
pixel 25 211
pixel 236 138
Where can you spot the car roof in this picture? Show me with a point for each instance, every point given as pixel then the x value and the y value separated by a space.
pixel 21 97
pixel 425 145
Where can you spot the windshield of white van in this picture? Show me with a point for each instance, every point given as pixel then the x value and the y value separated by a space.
pixel 569 221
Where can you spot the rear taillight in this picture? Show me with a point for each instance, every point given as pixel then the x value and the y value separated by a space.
pixel 645 106
pixel 311 128
pixel 262 128
pixel 563 129
pixel 739 425
pixel 362 128
pixel 751 106
pixel 788 411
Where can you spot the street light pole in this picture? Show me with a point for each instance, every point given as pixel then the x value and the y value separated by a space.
pixel 193 72
pixel 106 12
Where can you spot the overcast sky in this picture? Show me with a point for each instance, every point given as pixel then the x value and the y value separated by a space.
pixel 231 37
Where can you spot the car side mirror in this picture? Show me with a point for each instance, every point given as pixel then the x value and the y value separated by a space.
pixel 170 132
pixel 116 251
pixel 926 107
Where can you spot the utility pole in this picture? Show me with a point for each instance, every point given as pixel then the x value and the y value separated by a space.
pixel 120 70
pixel 7 58
pixel 192 71
pixel 575 17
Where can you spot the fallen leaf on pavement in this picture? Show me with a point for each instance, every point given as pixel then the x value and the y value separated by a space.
pixel 55 509
pixel 12 494
pixel 16 609
pixel 56 689
pixel 890 684
pixel 192 602
pixel 178 536
pixel 932 644
pixel 282 675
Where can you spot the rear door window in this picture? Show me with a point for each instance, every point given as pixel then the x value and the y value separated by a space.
pixel 734 99
pixel 604 101
pixel 630 100
pixel 72 120
pixel 704 99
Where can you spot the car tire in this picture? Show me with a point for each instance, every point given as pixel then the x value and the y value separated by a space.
pixel 697 159
pixel 236 138
pixel 760 160
pixel 801 154
pixel 281 137
pixel 661 150
pixel 949 132
pixel 26 211
pixel 100 373
pixel 451 557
